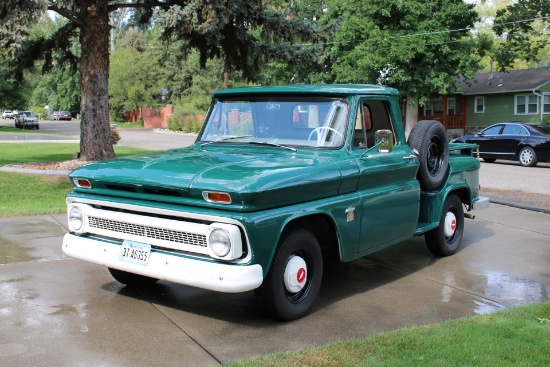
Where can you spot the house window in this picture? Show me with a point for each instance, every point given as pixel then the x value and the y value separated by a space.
pixel 451 106
pixel 526 105
pixel 546 103
pixel 433 107
pixel 479 105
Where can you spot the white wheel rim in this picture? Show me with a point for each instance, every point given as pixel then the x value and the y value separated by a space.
pixel 295 274
pixel 450 224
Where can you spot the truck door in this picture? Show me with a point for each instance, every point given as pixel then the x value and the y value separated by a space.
pixel 387 183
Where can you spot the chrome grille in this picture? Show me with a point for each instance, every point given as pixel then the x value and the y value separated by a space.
pixel 148 231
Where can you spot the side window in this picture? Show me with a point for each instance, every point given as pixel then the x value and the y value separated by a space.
pixel 492 130
pixel 512 130
pixel 372 115
pixel 363 124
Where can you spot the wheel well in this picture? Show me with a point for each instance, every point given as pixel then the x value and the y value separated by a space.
pixel 464 195
pixel 324 230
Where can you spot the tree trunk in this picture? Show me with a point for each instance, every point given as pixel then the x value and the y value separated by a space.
pixel 411 114
pixel 225 77
pixel 95 132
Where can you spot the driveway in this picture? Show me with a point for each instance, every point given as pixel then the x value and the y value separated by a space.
pixel 58 311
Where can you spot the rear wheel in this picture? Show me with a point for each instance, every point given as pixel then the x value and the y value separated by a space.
pixel 446 238
pixel 132 279
pixel 527 157
pixel 294 279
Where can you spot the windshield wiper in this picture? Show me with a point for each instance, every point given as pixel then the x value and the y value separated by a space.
pixel 226 139
pixel 272 145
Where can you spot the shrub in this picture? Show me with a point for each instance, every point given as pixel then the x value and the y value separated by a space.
pixel 115 136
pixel 191 124
pixel 174 124
pixel 546 121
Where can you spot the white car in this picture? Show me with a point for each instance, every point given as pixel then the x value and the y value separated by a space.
pixel 8 115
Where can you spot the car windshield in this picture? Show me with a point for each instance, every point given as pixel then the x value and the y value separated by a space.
pixel 28 113
pixel 277 121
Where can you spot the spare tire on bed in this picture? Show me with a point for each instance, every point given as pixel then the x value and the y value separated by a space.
pixel 429 139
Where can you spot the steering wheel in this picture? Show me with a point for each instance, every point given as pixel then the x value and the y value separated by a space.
pixel 318 129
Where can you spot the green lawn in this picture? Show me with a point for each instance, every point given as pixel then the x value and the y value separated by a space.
pixel 514 337
pixel 30 194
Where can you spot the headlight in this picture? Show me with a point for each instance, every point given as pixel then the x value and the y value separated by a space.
pixel 219 242
pixel 76 218
pixel 224 241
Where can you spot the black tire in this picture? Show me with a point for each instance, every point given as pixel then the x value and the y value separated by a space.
pixel 131 279
pixel 274 295
pixel 445 244
pixel 429 138
pixel 489 160
pixel 527 157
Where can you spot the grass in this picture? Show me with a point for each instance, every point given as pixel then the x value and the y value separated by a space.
pixel 129 125
pixel 514 337
pixel 30 194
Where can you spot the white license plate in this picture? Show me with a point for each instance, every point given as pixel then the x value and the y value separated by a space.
pixel 135 253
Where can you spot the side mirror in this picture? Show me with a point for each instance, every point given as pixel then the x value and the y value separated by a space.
pixel 384 140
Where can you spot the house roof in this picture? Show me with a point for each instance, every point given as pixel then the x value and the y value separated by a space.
pixel 508 82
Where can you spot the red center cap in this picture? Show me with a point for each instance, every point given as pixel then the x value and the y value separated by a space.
pixel 453 224
pixel 301 276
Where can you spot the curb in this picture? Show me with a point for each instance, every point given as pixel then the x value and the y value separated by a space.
pixel 8 168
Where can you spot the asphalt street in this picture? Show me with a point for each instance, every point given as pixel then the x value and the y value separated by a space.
pixel 58 311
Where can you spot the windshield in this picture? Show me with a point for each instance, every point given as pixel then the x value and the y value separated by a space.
pixel 288 121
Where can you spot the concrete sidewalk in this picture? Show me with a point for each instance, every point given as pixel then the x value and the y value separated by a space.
pixel 60 311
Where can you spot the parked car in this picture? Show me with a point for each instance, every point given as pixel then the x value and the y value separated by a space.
pixel 527 143
pixel 7 115
pixel 26 120
pixel 62 115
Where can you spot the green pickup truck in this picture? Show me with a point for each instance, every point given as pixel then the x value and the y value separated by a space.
pixel 280 181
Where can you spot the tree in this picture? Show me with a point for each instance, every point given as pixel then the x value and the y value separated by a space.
pixel 525 25
pixel 215 27
pixel 243 33
pixel 134 74
pixel 418 47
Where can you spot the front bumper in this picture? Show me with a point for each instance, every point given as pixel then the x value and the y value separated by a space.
pixel 229 278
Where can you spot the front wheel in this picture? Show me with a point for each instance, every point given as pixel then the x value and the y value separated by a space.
pixel 131 279
pixel 294 279
pixel 446 238
pixel 527 157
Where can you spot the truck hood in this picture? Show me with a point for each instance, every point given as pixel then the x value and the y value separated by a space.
pixel 255 178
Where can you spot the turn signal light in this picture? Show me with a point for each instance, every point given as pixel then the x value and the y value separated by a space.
pixel 80 182
pixel 216 197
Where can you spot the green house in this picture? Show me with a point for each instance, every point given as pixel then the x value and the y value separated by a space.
pixel 516 95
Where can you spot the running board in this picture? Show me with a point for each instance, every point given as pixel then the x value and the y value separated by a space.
pixel 422 228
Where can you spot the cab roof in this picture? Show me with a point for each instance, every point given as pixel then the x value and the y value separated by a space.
pixel 315 89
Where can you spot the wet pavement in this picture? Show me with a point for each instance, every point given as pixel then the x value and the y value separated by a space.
pixel 60 311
